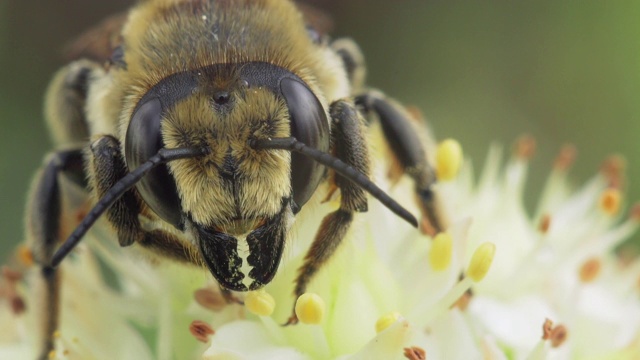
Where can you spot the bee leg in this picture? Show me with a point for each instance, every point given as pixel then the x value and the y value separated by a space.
pixel 65 102
pixel 349 146
pixel 44 214
pixel 408 149
pixel 65 116
pixel 106 168
pixel 352 60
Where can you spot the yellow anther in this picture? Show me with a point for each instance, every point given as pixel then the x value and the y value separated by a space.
pixel 610 201
pixel 448 159
pixel 441 251
pixel 260 303
pixel 310 308
pixel 56 334
pixel 52 354
pixel 387 320
pixel 481 261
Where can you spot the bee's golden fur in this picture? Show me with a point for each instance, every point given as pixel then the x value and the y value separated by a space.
pixel 263 178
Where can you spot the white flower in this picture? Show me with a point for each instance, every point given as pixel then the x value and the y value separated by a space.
pixel 389 293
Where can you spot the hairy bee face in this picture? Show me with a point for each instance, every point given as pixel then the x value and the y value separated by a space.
pixel 234 190
pixel 234 185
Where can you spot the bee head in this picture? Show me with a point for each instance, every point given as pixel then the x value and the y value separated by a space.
pixel 233 190
pixel 221 108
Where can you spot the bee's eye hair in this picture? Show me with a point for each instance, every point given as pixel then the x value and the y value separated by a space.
pixel 340 167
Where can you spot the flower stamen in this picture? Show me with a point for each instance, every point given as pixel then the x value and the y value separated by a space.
pixel 634 213
pixel 478 267
pixel 387 320
pixel 545 223
pixel 448 159
pixel 25 255
pixel 590 270
pixel 441 252
pixel 310 308
pixel 201 330
pixel 525 147
pixel 558 336
pixel 547 328
pixel 415 353
pixel 463 302
pixel 481 261
pixel 260 303
pixel 610 201
pixel 210 299
pixel 613 169
pixel 566 157
pixel 555 334
pixel 8 290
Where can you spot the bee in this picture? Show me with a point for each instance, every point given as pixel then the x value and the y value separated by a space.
pixel 197 125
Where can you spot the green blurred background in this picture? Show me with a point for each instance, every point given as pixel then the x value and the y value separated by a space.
pixel 481 72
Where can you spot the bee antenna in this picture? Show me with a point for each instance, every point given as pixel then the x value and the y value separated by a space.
pixel 118 189
pixel 292 144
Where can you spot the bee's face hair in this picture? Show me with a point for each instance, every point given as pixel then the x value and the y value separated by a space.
pixel 233 181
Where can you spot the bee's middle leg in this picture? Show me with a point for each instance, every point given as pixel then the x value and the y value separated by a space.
pixel 349 145
pixel 400 133
pixel 44 215
pixel 64 110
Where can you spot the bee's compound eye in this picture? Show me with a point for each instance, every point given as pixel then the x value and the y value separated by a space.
pixel 309 125
pixel 143 140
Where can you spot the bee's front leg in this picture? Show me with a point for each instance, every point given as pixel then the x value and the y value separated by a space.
pixel 408 149
pixel 106 168
pixel 349 145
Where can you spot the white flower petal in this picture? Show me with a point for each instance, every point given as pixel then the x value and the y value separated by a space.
pixel 388 344
pixel 246 340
